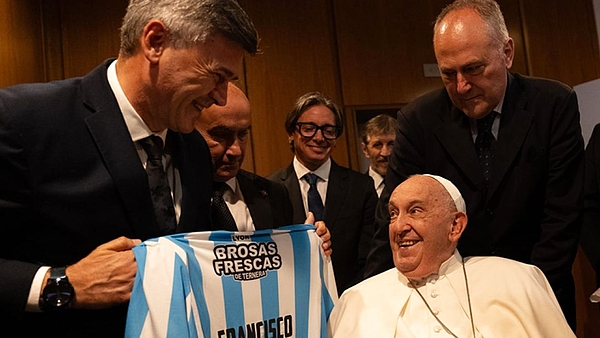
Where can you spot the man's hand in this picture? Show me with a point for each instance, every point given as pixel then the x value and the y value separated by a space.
pixel 104 278
pixel 322 231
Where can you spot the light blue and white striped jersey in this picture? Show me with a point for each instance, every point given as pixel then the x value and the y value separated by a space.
pixel 268 283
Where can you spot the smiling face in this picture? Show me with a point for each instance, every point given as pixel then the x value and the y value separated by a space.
pixel 189 80
pixel 226 131
pixel 473 66
pixel 312 152
pixel 169 87
pixel 424 226
pixel 378 150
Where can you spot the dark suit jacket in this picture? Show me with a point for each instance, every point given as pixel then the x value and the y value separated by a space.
pixel 531 211
pixel 349 216
pixel 72 180
pixel 590 234
pixel 268 201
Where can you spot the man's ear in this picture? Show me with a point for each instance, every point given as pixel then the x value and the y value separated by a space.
pixel 458 226
pixel 364 149
pixel 154 40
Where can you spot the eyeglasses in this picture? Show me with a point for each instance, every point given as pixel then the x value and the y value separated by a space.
pixel 309 129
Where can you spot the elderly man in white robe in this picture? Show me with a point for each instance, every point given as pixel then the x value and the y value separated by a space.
pixel 433 291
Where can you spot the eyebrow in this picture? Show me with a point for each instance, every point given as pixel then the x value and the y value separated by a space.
pixel 229 74
pixel 411 203
pixel 221 129
pixel 226 129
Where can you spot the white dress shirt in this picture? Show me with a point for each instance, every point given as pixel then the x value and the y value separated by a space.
pixel 378 180
pixel 237 206
pixel 322 172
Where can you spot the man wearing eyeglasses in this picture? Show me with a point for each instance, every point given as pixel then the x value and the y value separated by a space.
pixel 343 198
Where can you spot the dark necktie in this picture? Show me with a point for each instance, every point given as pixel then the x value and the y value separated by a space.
pixel 314 199
pixel 484 143
pixel 220 215
pixel 159 185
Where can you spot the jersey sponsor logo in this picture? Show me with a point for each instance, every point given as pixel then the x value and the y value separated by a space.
pixel 246 260
pixel 279 327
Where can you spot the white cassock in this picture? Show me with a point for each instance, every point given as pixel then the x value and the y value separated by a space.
pixel 508 299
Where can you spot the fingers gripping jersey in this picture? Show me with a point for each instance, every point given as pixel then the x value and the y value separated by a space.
pixel 268 283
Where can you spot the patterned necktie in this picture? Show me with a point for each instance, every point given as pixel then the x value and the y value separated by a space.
pixel 159 185
pixel 315 204
pixel 220 215
pixel 484 143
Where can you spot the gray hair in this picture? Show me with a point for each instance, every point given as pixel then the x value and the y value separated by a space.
pixel 189 22
pixel 381 124
pixel 490 13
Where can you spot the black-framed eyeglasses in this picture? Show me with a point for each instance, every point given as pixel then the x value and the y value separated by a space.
pixel 309 129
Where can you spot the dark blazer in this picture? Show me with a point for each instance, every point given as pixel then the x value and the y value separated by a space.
pixel 268 201
pixel 72 180
pixel 349 216
pixel 531 211
pixel 590 233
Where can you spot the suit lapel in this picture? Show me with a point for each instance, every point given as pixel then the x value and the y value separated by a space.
pixel 257 201
pixel 455 136
pixel 290 180
pixel 118 152
pixel 514 125
pixel 337 188
pixel 196 188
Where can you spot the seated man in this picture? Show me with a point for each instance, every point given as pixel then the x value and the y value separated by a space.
pixel 434 290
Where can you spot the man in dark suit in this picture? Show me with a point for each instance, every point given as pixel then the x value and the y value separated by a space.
pixel 74 193
pixel 524 199
pixel 253 202
pixel 347 197
pixel 590 233
pixel 377 143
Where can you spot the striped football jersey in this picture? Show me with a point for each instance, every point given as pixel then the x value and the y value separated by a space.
pixel 267 283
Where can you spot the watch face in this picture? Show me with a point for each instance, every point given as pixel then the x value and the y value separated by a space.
pixel 59 293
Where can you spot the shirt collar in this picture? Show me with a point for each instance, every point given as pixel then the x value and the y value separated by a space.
pixel 453 263
pixel 136 126
pixel 498 108
pixel 322 171
pixel 232 183
pixel 376 176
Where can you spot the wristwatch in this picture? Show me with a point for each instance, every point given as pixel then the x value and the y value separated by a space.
pixel 58 292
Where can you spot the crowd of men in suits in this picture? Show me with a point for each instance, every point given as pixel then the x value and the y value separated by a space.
pixel 80 185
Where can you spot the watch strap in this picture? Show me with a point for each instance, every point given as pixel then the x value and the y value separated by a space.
pixel 58 272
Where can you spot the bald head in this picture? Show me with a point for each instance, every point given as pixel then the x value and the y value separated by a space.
pixel 237 103
pixel 488 11
pixel 474 54
pixel 226 130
